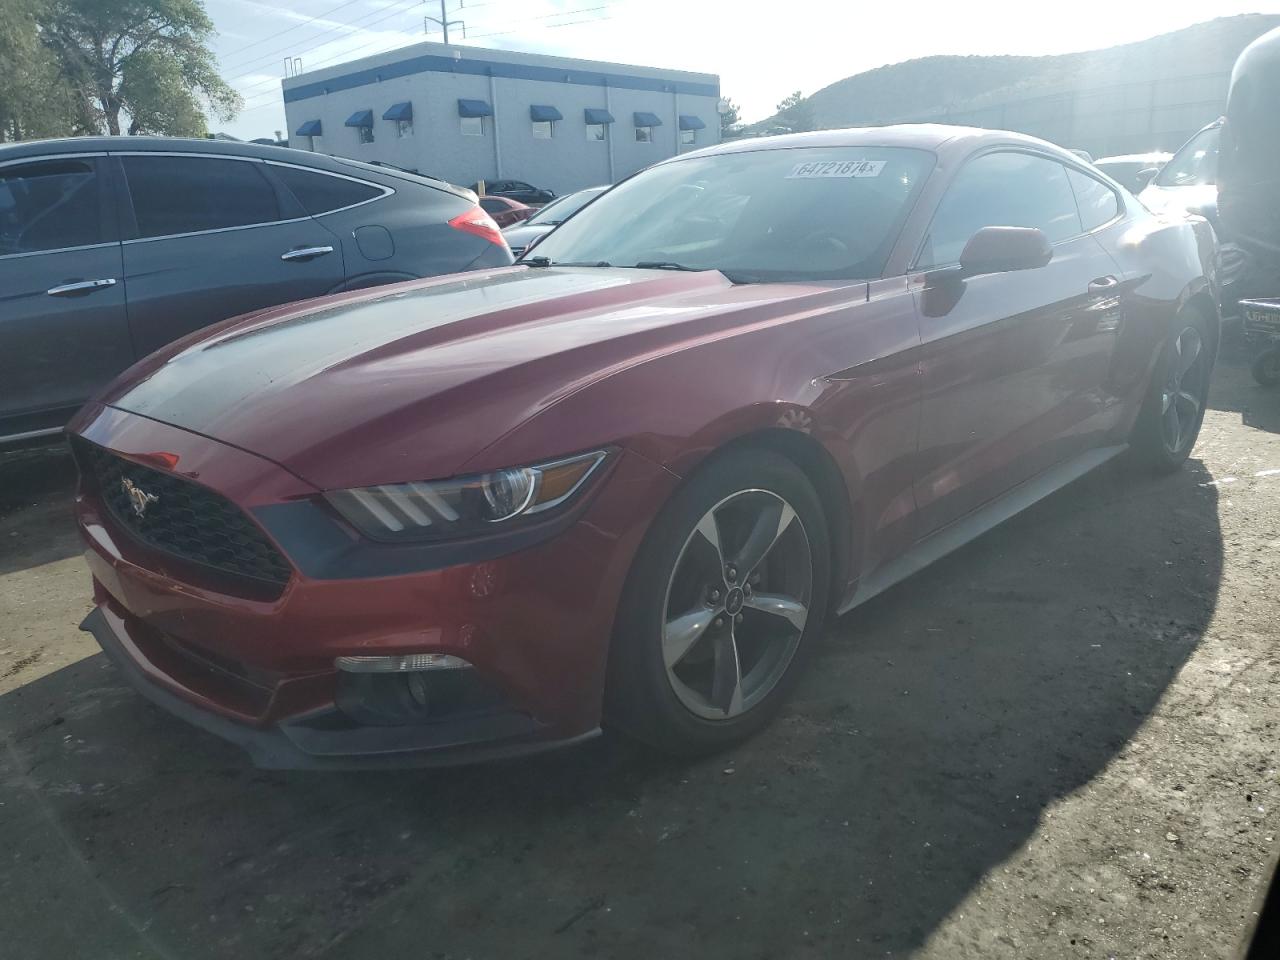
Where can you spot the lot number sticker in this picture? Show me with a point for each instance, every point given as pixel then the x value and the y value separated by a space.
pixel 836 168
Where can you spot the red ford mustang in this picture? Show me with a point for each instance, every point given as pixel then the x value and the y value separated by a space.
pixel 629 480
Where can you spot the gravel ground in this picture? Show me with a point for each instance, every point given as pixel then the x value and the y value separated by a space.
pixel 1058 742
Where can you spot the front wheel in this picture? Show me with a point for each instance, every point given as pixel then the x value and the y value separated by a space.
pixel 1266 367
pixel 1171 416
pixel 725 599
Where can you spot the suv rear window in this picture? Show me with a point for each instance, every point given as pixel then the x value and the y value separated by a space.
pixel 176 194
pixel 321 193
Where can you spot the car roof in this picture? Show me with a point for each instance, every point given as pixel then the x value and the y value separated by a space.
pixel 211 147
pixel 937 137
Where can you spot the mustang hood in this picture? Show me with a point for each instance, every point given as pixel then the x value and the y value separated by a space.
pixel 411 381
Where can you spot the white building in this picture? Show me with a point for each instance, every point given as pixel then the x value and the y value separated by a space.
pixel 466 114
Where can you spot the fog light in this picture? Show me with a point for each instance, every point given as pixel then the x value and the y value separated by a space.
pixel 414 661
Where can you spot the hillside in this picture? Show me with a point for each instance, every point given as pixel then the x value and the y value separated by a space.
pixel 934 87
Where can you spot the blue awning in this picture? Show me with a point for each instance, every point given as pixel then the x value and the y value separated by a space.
pixel 597 116
pixel 541 114
pixel 399 111
pixel 646 119
pixel 361 118
pixel 690 122
pixel 474 108
pixel 309 129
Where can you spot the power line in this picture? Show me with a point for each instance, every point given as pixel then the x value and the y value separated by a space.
pixel 296 26
pixel 353 25
pixel 364 51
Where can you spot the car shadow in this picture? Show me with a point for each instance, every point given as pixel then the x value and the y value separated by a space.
pixel 938 725
pixel 1234 389
pixel 36 486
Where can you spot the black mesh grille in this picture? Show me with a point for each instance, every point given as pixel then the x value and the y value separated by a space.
pixel 185 519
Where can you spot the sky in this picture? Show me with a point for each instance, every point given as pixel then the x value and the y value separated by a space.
pixel 762 52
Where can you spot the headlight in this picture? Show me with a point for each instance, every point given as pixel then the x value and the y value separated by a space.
pixel 464 506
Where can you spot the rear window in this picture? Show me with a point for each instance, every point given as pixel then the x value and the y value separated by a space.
pixel 1097 202
pixel 1195 164
pixel 800 214
pixel 321 193
pixel 175 194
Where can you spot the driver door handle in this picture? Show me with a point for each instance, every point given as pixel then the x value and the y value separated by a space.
pixel 80 286
pixel 305 253
pixel 1104 284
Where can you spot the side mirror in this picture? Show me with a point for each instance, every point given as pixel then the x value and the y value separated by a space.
pixel 1144 177
pixel 1000 249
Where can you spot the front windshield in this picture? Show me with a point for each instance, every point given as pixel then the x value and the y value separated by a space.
pixel 815 213
pixel 561 210
pixel 1196 164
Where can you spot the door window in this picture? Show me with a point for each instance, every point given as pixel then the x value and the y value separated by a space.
pixel 1097 201
pixel 1001 190
pixel 49 205
pixel 320 193
pixel 175 195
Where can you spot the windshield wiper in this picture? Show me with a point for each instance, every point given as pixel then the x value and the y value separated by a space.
pixel 667 265
pixel 548 262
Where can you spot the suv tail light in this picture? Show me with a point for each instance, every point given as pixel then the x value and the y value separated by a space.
pixel 476 221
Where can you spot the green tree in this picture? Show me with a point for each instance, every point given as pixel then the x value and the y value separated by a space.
pixel 730 121
pixel 796 114
pixel 33 100
pixel 145 60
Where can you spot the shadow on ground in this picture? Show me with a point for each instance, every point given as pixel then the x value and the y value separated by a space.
pixel 36 486
pixel 1258 406
pixel 939 723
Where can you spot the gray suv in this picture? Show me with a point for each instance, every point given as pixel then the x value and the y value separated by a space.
pixel 113 246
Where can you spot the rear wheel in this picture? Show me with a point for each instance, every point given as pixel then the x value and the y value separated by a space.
pixel 1266 367
pixel 1171 416
pixel 724 601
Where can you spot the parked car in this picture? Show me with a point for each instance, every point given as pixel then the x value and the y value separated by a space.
pixel 1133 171
pixel 112 247
pixel 519 190
pixel 505 211
pixel 548 218
pixel 630 479
pixel 1189 181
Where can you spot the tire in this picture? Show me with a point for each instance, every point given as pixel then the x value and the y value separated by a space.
pixel 1266 367
pixel 685 709
pixel 1152 446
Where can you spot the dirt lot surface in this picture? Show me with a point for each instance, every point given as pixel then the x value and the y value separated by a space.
pixel 1059 742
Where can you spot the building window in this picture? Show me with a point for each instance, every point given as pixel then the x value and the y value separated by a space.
pixel 688 136
pixel 365 134
pixel 595 132
pixel 472 126
pixel 644 134
pixel 543 129
pixel 404 128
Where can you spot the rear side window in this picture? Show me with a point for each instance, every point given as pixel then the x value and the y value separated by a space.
pixel 1195 163
pixel 1001 190
pixel 320 193
pixel 48 205
pixel 1097 201
pixel 173 195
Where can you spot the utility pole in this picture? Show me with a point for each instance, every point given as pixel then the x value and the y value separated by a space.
pixel 444 21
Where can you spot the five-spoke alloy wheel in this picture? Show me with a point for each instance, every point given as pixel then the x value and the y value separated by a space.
pixel 725 597
pixel 1167 427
